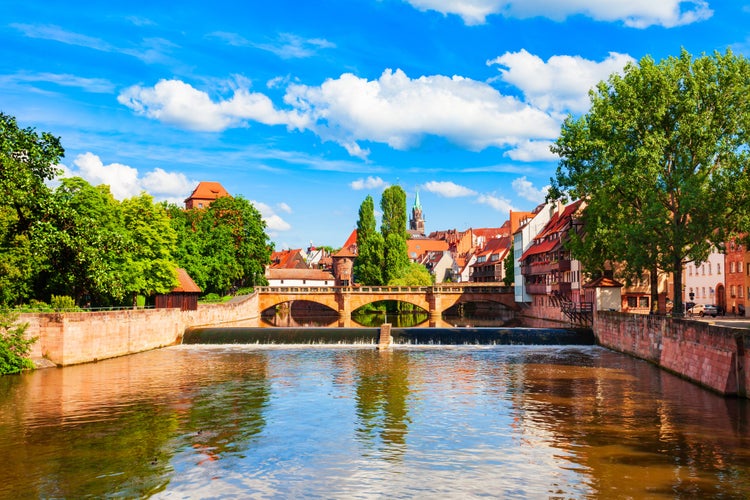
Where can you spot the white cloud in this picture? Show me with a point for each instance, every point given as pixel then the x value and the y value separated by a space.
pixel 560 84
pixel 125 182
pixel 178 103
pixel 632 13
pixel 447 189
pixel 93 85
pixel 525 189
pixel 499 204
pixel 286 45
pixel 400 111
pixel 284 207
pixel 532 151
pixel 274 222
pixel 369 183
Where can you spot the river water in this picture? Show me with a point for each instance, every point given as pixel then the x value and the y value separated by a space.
pixel 249 421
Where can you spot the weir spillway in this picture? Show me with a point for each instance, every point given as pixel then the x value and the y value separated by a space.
pixel 405 336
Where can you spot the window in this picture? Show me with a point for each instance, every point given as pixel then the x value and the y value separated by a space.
pixel 739 267
pixel 709 269
pixel 703 269
pixel 690 270
pixel 731 291
pixel 643 302
pixel 718 268
pixel 731 267
pixel 703 292
pixel 633 302
pixel 741 291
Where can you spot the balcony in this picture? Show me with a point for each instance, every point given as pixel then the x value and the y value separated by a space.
pixel 545 267
pixel 537 289
pixel 562 288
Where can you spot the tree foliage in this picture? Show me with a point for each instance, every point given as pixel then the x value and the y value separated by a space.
pixel 14 346
pixel 224 246
pixel 393 228
pixel 414 275
pixel 368 266
pixel 661 151
pixel 509 267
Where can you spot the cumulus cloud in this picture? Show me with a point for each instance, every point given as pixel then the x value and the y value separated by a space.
pixel 499 204
pixel 284 207
pixel 178 103
pixel 525 189
pixel 447 189
pixel 125 182
pixel 632 13
pixel 369 183
pixel 400 111
pixel 274 222
pixel 532 151
pixel 560 84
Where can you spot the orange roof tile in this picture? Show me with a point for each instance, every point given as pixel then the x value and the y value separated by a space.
pixel 187 285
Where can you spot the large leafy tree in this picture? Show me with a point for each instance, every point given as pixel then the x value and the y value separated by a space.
pixel 223 246
pixel 27 160
pixel 83 240
pixel 368 266
pixel 393 228
pixel 658 156
pixel 149 266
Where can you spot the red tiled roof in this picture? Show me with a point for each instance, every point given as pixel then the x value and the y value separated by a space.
pixel 603 282
pixel 419 246
pixel 187 285
pixel 540 247
pixel 208 191
pixel 288 259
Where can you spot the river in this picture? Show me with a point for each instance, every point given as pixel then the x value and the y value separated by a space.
pixel 255 421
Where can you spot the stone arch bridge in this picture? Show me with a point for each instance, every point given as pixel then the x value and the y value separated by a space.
pixel 434 299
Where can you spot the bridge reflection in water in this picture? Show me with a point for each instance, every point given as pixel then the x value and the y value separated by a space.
pixel 412 336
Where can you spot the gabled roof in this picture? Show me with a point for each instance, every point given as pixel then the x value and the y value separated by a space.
pixel 350 246
pixel 288 259
pixel 186 283
pixel 547 239
pixel 208 191
pixel 416 247
pixel 603 282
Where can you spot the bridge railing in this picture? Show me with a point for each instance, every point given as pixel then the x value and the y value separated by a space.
pixel 442 288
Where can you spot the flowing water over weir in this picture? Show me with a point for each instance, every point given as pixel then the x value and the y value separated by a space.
pixel 411 336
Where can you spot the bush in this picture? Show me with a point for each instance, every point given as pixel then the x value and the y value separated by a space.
pixel 14 346
pixel 63 303
pixel 211 297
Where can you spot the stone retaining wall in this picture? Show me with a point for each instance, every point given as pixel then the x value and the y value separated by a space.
pixel 80 337
pixel 710 355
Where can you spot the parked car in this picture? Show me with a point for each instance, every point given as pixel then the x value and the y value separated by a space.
pixel 703 310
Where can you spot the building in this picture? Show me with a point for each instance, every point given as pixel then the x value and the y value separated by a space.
pixel 736 277
pixel 704 283
pixel 184 296
pixel 552 276
pixel 300 277
pixel 204 194
pixel 288 259
pixel 416 221
pixel 523 238
pixel 343 261
pixel 489 266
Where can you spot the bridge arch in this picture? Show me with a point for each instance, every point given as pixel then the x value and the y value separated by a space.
pixel 434 299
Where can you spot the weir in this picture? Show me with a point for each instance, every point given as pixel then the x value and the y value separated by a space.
pixel 403 336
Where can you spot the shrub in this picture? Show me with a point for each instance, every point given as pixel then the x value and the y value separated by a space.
pixel 63 303
pixel 14 346
pixel 211 297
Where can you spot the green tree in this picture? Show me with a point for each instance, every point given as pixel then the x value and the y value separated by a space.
pixel 393 228
pixel 14 345
pixel 27 160
pixel 149 266
pixel 84 242
pixel 414 275
pixel 510 267
pixel 223 246
pixel 368 266
pixel 661 150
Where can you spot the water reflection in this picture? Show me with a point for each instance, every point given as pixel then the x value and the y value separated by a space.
pixel 262 422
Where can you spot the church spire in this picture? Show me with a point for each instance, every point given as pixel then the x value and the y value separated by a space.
pixel 416 201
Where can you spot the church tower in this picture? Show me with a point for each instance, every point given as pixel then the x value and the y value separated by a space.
pixel 416 221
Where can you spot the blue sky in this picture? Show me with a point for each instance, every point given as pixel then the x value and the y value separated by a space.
pixel 305 108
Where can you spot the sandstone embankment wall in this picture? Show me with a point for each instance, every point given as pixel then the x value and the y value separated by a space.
pixel 79 337
pixel 710 355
